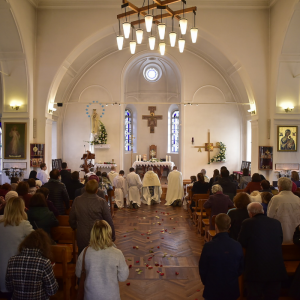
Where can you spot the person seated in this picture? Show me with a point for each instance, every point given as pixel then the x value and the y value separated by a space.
pixel 151 190
pixel 120 189
pixel 266 198
pixel 238 214
pixel 41 174
pixel 199 187
pixel 14 181
pixel 218 203
pixel 245 179
pixel 105 265
pixel 215 177
pixel 73 184
pixel 65 175
pixel 50 205
pixel 30 273
pixel 255 196
pixel 285 207
pixel 233 178
pixel 193 180
pixel 266 187
pixel 3 201
pixel 101 192
pixel 33 174
pixel 206 178
pixel 32 186
pixel 229 188
pixel 175 189
pixel 23 192
pixel 295 178
pixel 254 185
pixel 221 263
pixel 5 188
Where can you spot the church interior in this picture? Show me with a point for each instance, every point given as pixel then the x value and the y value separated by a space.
pixel 74 89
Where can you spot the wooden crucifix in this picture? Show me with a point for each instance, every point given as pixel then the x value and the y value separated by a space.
pixel 152 119
pixel 208 146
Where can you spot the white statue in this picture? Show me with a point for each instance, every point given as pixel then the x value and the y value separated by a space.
pixel 95 122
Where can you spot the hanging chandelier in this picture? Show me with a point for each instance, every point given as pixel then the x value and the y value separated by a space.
pixel 152 22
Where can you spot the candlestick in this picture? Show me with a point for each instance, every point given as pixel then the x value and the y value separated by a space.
pixel 140 157
pixel 170 159
pixel 136 158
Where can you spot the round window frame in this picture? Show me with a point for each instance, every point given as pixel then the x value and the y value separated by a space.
pixel 156 68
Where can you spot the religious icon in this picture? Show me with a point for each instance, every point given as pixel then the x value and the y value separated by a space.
pixel 287 138
pixel 15 140
pixel 95 122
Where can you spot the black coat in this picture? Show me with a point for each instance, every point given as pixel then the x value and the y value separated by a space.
pixel 237 217
pixel 262 237
pixel 200 187
pixel 72 186
pixel 65 176
pixel 58 195
pixel 229 187
pixel 220 265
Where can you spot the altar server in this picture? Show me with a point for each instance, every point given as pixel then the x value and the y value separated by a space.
pixel 175 190
pixel 134 185
pixel 112 174
pixel 120 189
pixel 151 188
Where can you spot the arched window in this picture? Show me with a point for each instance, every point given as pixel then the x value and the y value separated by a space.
pixel 175 131
pixel 128 130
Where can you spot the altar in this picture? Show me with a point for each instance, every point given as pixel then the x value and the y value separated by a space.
pixel 158 166
pixel 100 167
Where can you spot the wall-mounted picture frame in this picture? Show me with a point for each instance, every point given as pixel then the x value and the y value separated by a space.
pixel 15 140
pixel 287 138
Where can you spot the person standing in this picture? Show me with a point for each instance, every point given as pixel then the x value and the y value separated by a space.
pixel 228 186
pixel 73 184
pixel 221 263
pixel 134 184
pixel 151 188
pixel 120 189
pixel 65 175
pixel 175 189
pixel 262 237
pixel 42 175
pixel 206 178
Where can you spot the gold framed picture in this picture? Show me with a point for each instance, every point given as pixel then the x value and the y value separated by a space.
pixel 287 138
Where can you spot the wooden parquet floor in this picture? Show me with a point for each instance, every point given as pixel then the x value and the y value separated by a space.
pixel 163 236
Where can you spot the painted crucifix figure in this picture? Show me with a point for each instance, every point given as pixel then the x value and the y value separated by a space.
pixel 152 119
pixel 208 146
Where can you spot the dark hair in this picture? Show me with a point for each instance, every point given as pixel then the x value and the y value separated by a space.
pixel 42 165
pixel 75 175
pixel 98 173
pixel 31 182
pixel 265 184
pixel 241 200
pixel 224 173
pixel 256 177
pixel 38 239
pixel 54 174
pixel 295 176
pixel 266 197
pixel 193 178
pixel 38 200
pixel 64 165
pixel 262 177
pixel 245 172
pixel 200 177
pixel 43 191
pixel 32 174
pixel 131 169
pixel 22 188
pixel 216 173
pixel 104 174
pixel 14 180
pixel 6 186
pixel 121 172
pixel 223 168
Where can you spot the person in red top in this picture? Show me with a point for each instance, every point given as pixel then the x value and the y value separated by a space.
pixel 23 192
pixel 254 185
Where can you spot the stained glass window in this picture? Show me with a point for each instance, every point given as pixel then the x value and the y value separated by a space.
pixel 175 132
pixel 128 130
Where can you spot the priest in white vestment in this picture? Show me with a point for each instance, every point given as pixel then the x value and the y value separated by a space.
pixel 151 188
pixel 285 207
pixel 134 185
pixel 120 189
pixel 175 190
pixel 112 174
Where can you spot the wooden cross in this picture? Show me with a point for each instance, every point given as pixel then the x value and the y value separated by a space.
pixel 152 119
pixel 208 146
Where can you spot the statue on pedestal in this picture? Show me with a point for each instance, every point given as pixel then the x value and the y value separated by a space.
pixel 95 122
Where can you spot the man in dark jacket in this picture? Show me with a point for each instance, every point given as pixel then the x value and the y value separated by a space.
pixel 65 174
pixel 73 185
pixel 228 186
pixel 80 191
pixel 57 192
pixel 262 237
pixel 221 264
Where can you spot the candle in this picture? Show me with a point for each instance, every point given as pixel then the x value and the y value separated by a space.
pixel 136 158
pixel 167 157
pixel 170 159
pixel 140 157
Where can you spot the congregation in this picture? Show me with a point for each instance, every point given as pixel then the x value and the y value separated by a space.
pixel 249 214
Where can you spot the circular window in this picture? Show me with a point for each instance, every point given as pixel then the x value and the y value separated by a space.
pixel 152 74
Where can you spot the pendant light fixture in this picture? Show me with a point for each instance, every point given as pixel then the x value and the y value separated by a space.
pixel 181 43
pixel 126 26
pixel 161 26
pixel 172 34
pixel 151 42
pixel 132 44
pixel 120 38
pixel 162 48
pixel 148 20
pixel 183 22
pixel 139 33
pixel 194 30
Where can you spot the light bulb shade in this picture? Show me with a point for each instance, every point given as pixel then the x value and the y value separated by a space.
pixel 148 21
pixel 120 40
pixel 126 29
pixel 132 45
pixel 172 36
pixel 162 48
pixel 181 43
pixel 139 35
pixel 152 42
pixel 183 25
pixel 161 30
pixel 194 34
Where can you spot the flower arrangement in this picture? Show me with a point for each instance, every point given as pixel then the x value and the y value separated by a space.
pixel 222 154
pixel 101 137
pixel 154 160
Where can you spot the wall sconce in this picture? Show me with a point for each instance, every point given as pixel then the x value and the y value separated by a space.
pixel 287 108
pixel 15 105
pixel 252 111
pixel 51 108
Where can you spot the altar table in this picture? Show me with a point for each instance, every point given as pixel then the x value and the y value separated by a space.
pixel 103 166
pixel 159 166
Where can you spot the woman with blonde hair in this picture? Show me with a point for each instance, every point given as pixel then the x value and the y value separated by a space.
pixel 14 227
pixel 105 265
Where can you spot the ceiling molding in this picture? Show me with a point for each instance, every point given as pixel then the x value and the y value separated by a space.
pixel 34 2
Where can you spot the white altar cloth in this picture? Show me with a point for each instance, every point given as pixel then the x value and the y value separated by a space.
pixel 168 164
pixel 108 166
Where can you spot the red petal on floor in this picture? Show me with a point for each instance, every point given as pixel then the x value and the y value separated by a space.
pixel 161 266
pixel 159 224
pixel 150 268
pixel 134 247
pixel 157 247
pixel 156 265
pixel 166 229
pixel 147 265
pixel 162 238
pixel 124 235
pixel 147 237
pixel 156 211
pixel 176 273
pixel 157 271
pixel 162 274
pixel 130 266
pixel 173 228
pixel 128 283
pixel 198 290
pixel 162 219
pixel 137 261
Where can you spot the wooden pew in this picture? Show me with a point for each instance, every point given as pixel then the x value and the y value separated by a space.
pixel 291 257
pixel 212 233
pixel 63 220
pixel 239 191
pixel 206 224
pixel 63 269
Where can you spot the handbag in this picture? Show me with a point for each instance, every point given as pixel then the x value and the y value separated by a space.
pixel 80 291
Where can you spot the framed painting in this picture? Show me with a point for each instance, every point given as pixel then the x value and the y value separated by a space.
pixel 15 139
pixel 287 138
